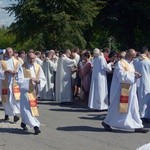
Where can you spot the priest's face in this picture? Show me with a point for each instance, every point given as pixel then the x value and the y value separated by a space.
pixel 9 52
pixel 31 58
pixel 133 53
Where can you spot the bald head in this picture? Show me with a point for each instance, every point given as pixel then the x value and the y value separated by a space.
pixel 31 58
pixel 9 52
pixel 68 53
pixel 130 54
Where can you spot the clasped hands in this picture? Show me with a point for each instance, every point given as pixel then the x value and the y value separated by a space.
pixel 10 72
pixel 35 81
pixel 137 75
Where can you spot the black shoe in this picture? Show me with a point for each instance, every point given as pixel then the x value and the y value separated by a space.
pixel 141 130
pixel 6 118
pixel 106 126
pixel 16 118
pixel 36 130
pixel 23 125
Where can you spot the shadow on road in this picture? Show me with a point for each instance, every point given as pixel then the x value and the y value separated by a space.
pixel 91 129
pixel 3 121
pixel 94 117
pixel 147 125
pixel 81 128
pixel 45 102
pixel 74 108
pixel 14 131
pixel 76 104
pixel 71 110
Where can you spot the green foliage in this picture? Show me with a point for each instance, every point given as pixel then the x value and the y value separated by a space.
pixel 58 23
pixel 9 40
pixel 128 21
pixel 5 38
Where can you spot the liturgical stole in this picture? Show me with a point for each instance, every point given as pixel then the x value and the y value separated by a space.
pixel 124 96
pixel 32 95
pixel 143 57
pixel 15 86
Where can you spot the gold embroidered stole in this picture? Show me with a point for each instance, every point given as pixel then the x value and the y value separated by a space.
pixel 124 96
pixel 4 83
pixel 143 57
pixel 32 96
pixel 15 87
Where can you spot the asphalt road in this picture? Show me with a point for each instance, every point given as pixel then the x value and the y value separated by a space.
pixel 68 127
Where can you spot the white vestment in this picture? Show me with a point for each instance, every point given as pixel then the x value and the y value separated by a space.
pixel 2 77
pixel 26 114
pixel 130 120
pixel 136 64
pixel 144 147
pixel 38 61
pixel 98 97
pixel 144 88
pixel 49 68
pixel 77 58
pixel 63 79
pixel 11 107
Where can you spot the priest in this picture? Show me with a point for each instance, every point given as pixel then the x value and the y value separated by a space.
pixel 31 79
pixel 49 68
pixel 10 89
pixel 98 97
pixel 144 85
pixel 123 112
pixel 63 78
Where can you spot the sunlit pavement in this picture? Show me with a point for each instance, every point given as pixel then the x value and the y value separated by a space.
pixel 68 127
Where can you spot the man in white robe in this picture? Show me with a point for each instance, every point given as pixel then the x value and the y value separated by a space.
pixel 10 65
pixel 98 97
pixel 128 117
pixel 36 80
pixel 22 57
pixel 144 85
pixel 49 69
pixel 63 78
pixel 38 59
pixel 53 58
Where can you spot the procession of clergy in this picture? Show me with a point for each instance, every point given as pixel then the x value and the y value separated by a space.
pixel 119 82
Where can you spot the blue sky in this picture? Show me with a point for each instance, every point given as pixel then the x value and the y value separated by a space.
pixel 5 19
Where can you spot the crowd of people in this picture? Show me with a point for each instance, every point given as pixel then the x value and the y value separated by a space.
pixel 104 79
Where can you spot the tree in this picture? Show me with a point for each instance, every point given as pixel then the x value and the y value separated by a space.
pixel 128 21
pixel 54 23
pixel 97 35
pixel 6 39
